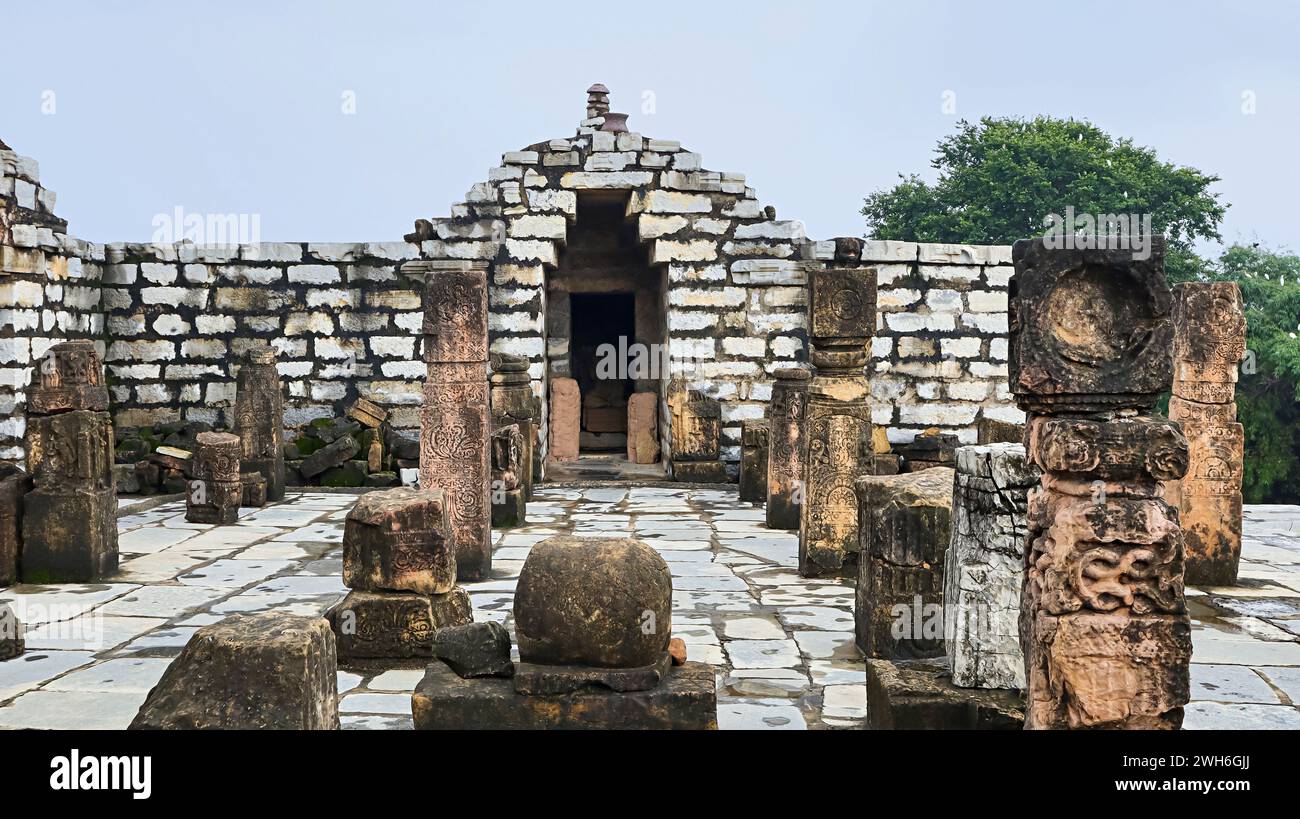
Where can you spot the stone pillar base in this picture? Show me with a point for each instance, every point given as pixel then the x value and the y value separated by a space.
pixel 69 536
pixel 511 511
pixel 919 695
pixel 395 624
pixel 222 502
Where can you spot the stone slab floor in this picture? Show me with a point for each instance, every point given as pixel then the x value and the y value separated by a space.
pixel 782 645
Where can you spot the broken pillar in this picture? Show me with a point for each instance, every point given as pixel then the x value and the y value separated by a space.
pixel 216 489
pixel 904 525
pixel 929 449
pixel 455 427
pixel 842 319
pixel 565 420
pixel 69 520
pixel 12 642
pixel 513 402
pixel 509 507
pixel 1209 344
pixel 1103 621
pixel 14 484
pixel 787 447
pixel 754 440
pixel 593 619
pixel 400 562
pixel 696 426
pixel 984 566
pixel 259 671
pixel 259 418
pixel 643 428
pixel 253 489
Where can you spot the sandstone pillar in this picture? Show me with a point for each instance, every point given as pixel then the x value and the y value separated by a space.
pixel 259 418
pixel 787 447
pixel 455 428
pixel 70 518
pixel 215 492
pixel 643 428
pixel 509 508
pixel 1209 343
pixel 1103 623
pixel 696 425
pixel 904 525
pixel 14 484
pixel 984 567
pixel 842 318
pixel 754 442
pixel 565 419
pixel 513 403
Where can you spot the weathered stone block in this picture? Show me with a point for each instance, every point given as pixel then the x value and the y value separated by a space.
pixel 249 672
pixel 14 484
pixel 788 447
pixel 565 419
pixel 253 486
pixel 328 456
pixel 545 680
pixel 686 700
pixel 919 695
pixel 643 428
pixel 69 377
pixel 12 643
pixel 700 472
pixel 259 418
pixel 395 624
pixel 754 441
pixel 602 602
pixel 475 649
pixel 216 490
pixel 399 540
pixel 904 524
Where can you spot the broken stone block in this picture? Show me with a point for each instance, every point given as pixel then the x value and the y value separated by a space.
pixel 700 472
pixel 686 700
pixel 565 419
pixel 249 672
pixel 513 402
pixel 1090 329
pixel 929 449
pixel 643 428
pixel 696 424
pixel 984 566
pixel 367 413
pixel 508 505
pixel 753 461
pixel 253 486
pixel 475 649
pixel 14 484
pixel 546 680
pixel 399 540
pixel 68 377
pixel 904 525
pixel 12 643
pixel 602 602
pixel 395 624
pixel 913 695
pixel 887 464
pixel 216 491
pixel 259 418
pixel 455 421
pixel 331 455
pixel 788 447
pixel 993 431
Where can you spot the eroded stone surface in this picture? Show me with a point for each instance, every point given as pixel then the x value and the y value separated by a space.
pixel 565 419
pixel 259 418
pixel 754 442
pixel 399 540
pixel 788 447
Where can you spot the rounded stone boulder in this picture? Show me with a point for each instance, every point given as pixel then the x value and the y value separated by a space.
pixel 603 602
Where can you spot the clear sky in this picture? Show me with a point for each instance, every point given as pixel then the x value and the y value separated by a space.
pixel 237 107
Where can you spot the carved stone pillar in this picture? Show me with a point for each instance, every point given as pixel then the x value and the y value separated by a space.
pixel 513 403
pixel 787 447
pixel 509 507
pixel 696 427
pixel 754 449
pixel 455 428
pixel 69 520
pixel 1209 343
pixel 1103 623
pixel 842 319
pixel 259 418
pixel 215 491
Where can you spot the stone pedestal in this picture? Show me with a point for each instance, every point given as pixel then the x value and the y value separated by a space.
pixel 253 485
pixel 643 428
pixel 984 566
pixel 565 420
pixel 1103 623
pixel 68 377
pixel 1209 343
pixel 695 427
pixel 754 440
pixel 455 429
pixel 14 484
pixel 395 625
pixel 509 507
pixel 69 520
pixel 216 489
pixel 842 319
pixel 249 672
pixel 787 447
pixel 513 402
pixel 12 643
pixel 904 524
pixel 919 695
pixel 259 418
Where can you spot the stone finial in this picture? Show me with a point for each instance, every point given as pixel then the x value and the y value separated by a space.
pixel 597 101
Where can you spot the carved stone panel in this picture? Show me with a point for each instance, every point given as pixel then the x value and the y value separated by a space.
pixel 259 418
pixel 788 447
pixel 68 377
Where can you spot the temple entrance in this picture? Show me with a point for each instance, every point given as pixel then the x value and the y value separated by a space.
pixel 606 330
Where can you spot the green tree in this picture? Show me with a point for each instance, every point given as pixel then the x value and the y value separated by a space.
pixel 1000 178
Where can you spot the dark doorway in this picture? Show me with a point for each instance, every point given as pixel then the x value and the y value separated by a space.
pixel 604 327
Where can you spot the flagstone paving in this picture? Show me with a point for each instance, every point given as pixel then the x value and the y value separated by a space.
pixel 782 644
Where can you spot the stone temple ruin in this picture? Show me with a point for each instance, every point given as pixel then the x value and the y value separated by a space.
pixel 965 436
